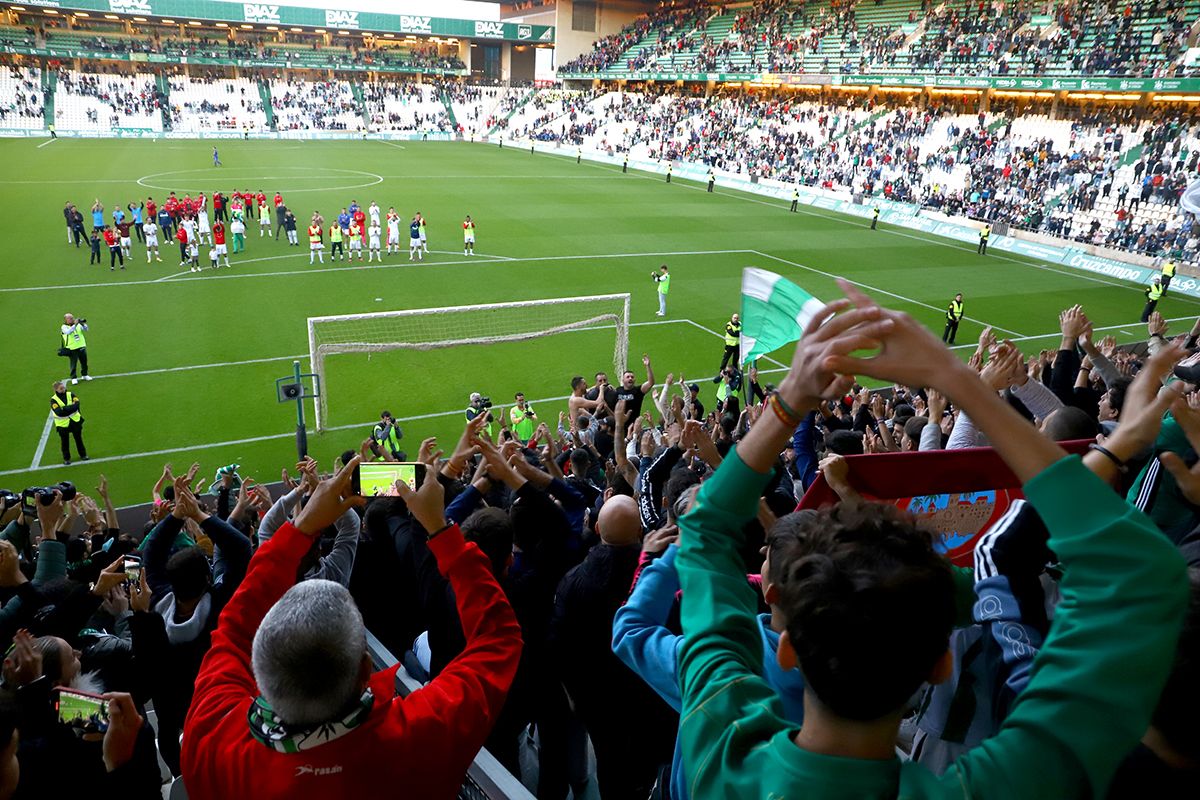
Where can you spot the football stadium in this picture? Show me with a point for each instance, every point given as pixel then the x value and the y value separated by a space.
pixel 645 399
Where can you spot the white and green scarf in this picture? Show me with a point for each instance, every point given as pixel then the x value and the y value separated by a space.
pixel 268 728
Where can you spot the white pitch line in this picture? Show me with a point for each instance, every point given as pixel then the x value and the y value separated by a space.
pixel 390 144
pixel 402 265
pixel 851 219
pixel 720 336
pixel 305 356
pixel 207 271
pixel 882 291
pixel 48 141
pixel 41 446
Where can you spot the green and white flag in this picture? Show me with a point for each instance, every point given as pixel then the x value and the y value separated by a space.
pixel 775 312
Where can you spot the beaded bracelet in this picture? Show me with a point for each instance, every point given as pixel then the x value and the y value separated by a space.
pixel 785 414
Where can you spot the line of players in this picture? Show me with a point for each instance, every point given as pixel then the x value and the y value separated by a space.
pixel 347 235
pixel 187 221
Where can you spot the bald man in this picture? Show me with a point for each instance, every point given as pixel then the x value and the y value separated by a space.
pixel 607 695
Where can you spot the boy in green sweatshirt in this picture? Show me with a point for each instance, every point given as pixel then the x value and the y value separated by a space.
pixel 868 603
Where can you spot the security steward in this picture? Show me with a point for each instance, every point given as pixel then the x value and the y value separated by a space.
pixel 733 336
pixel 64 405
pixel 954 315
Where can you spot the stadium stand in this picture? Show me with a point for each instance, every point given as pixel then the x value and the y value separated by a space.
pixel 99 102
pixel 206 104
pixel 21 106
pixel 323 105
pixel 898 37
pixel 404 106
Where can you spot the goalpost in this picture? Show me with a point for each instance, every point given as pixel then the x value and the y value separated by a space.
pixel 451 326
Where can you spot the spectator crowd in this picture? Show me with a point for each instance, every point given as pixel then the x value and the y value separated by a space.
pixel 637 576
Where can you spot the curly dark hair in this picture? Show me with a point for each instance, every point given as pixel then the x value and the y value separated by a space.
pixel 868 604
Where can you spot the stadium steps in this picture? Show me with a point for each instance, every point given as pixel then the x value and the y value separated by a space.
pixel 445 98
pixel 356 91
pixel 264 92
pixel 164 86
pixel 49 86
pixel 524 101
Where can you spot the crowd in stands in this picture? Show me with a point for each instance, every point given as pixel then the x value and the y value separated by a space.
pixel 961 37
pixel 640 573
pixel 213 101
pixel 671 19
pixel 22 102
pixel 401 106
pixel 321 105
pixel 93 36
pixel 1030 172
pixel 132 98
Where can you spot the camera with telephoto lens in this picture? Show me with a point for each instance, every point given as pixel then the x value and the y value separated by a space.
pixel 485 402
pixel 8 499
pixel 44 495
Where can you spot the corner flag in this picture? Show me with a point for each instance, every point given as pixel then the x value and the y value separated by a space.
pixel 775 312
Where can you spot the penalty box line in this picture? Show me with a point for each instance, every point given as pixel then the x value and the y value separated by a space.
pixel 37 466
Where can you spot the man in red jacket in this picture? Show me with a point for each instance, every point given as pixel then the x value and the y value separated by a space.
pixel 285 703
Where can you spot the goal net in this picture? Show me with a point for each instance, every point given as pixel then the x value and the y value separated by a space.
pixel 454 326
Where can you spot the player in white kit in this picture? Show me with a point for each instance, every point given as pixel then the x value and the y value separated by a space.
pixel 205 228
pixel 150 231
pixel 393 225
pixel 373 233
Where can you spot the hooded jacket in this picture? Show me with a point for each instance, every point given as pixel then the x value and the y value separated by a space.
pixel 643 641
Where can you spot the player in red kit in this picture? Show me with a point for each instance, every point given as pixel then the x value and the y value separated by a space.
pixel 172 207
pixel 218 204
pixel 181 236
pixel 278 199
pixel 218 234
pixel 114 248
pixel 360 220
pixel 248 203
pixel 151 209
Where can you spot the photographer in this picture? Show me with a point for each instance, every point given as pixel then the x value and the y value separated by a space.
pixel 67 420
pixel 74 345
pixel 387 436
pixel 522 419
pixel 482 405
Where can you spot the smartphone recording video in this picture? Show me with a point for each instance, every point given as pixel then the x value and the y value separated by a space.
pixel 133 569
pixel 84 711
pixel 378 479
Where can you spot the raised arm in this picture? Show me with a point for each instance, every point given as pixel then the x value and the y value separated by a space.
pixel 648 384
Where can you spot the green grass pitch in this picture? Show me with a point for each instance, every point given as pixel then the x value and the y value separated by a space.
pixel 566 229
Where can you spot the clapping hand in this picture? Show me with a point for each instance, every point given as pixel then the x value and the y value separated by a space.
pixel 428 503
pixel 330 500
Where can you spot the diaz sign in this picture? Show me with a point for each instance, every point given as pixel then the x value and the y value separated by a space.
pixel 411 24
pixel 257 12
pixel 341 19
pixel 491 30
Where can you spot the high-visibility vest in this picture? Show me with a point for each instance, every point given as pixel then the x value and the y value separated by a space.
pixel 62 422
pixel 391 442
pixel 335 233
pixel 876 212
pixel 733 330
pixel 986 232
pixel 74 338
pixel 955 312
pixel 1154 292
pixel 1169 269
pixel 314 234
